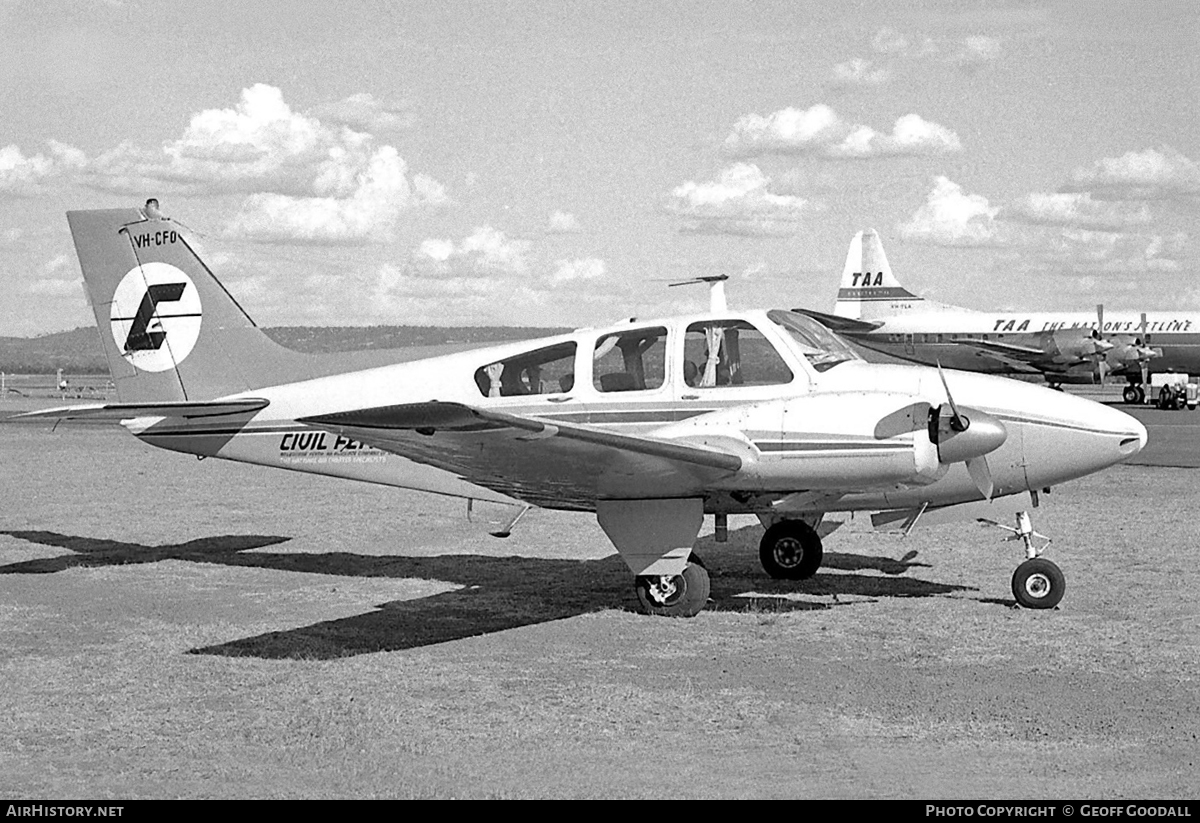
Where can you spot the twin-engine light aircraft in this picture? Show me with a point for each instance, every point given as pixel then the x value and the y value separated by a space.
pixel 649 424
pixel 874 310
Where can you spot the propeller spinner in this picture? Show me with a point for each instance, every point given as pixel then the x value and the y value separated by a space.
pixel 966 438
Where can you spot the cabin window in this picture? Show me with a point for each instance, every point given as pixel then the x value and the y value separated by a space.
pixel 731 353
pixel 549 370
pixel 634 360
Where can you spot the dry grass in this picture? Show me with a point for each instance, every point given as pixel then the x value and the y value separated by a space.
pixel 181 629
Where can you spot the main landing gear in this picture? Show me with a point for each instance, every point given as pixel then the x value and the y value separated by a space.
pixel 680 595
pixel 791 550
pixel 1037 583
pixel 1134 394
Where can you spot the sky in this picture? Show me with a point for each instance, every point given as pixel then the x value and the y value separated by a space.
pixel 559 163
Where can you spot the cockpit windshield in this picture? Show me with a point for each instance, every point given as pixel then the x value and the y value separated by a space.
pixel 822 348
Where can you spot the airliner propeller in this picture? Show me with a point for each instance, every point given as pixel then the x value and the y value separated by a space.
pixel 1137 351
pixel 1099 347
pixel 1142 352
pixel 966 438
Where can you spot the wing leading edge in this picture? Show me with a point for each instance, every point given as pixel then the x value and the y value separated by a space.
pixel 548 463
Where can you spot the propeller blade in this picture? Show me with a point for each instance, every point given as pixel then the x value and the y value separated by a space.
pixel 978 468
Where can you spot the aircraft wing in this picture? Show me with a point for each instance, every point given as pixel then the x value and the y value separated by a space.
pixel 125 411
pixel 1024 358
pixel 544 462
pixel 840 325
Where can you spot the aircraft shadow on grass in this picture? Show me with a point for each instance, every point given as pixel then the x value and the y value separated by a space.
pixel 498 592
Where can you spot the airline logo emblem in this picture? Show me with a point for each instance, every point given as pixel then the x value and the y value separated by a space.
pixel 155 316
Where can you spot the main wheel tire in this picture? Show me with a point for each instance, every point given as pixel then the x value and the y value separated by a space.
pixel 683 595
pixel 791 550
pixel 1141 395
pixel 1038 584
pixel 1130 395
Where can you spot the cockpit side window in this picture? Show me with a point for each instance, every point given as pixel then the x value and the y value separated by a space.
pixel 633 360
pixel 541 371
pixel 720 353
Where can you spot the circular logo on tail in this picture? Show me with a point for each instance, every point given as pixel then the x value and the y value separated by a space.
pixel 155 316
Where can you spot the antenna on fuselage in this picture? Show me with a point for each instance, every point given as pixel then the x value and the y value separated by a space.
pixel 716 289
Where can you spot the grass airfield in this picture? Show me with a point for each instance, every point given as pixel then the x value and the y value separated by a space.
pixel 174 628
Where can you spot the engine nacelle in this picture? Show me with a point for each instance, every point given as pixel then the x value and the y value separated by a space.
pixel 845 440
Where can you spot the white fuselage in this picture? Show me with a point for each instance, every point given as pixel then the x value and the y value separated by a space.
pixel 817 429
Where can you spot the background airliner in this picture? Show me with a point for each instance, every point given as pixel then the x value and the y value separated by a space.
pixel 874 310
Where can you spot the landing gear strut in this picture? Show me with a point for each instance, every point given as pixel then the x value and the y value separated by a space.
pixel 1037 583
pixel 680 595
pixel 791 550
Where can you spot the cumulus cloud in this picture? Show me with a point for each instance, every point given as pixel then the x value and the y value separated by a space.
pixel 969 54
pixel 586 268
pixel 975 52
pixel 859 72
pixel 562 222
pixel 1075 210
pixel 1153 174
pixel 819 130
pixel 306 179
pixel 485 251
pixel 889 41
pixel 362 112
pixel 22 175
pixel 486 274
pixel 738 202
pixel 910 135
pixel 381 193
pixel 950 217
pixel 56 278
pixel 1105 253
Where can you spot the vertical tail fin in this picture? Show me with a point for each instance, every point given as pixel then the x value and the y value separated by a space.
pixel 170 330
pixel 868 290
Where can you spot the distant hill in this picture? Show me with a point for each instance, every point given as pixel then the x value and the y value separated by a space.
pixel 78 351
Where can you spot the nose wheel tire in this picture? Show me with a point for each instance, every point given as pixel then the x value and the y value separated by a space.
pixel 791 550
pixel 680 595
pixel 1038 584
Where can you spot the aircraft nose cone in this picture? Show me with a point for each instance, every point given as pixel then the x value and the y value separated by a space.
pixel 1131 446
pixel 1071 437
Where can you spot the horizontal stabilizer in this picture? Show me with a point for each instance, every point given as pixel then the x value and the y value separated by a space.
pixel 125 411
pixel 457 416
pixel 841 325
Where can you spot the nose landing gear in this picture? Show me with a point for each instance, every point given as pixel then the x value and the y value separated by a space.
pixel 1037 583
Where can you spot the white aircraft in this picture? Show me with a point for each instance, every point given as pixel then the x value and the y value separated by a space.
pixel 650 424
pixel 875 311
